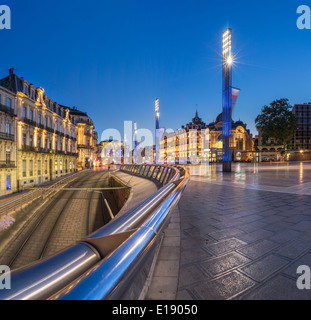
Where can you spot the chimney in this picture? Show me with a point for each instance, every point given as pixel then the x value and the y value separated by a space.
pixel 11 80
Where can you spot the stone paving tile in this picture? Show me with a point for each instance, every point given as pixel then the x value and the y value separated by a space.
pixel 278 288
pixel 256 235
pixel 258 249
pixel 255 239
pixel 225 287
pixel 296 218
pixel 292 269
pixel 294 249
pixel 253 226
pixel 184 295
pixel 265 267
pixel 225 246
pixel 302 226
pixel 275 227
pixel 225 233
pixel 285 236
pixel 194 255
pixel 219 265
pixel 190 275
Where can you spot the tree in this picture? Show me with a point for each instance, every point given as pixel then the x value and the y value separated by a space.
pixel 277 121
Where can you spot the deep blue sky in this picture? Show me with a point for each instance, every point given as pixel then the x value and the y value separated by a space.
pixel 114 58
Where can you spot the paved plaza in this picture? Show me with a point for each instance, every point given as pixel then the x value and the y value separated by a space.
pixel 244 234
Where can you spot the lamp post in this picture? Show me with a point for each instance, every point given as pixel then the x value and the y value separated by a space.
pixel 135 143
pixel 157 130
pixel 227 98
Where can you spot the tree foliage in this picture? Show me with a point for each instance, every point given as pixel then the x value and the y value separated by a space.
pixel 277 121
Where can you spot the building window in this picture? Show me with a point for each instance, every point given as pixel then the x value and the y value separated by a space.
pixel 39 142
pixel 8 157
pixel 31 140
pixel 39 167
pixel 9 103
pixel 24 168
pixel 25 89
pixel 39 118
pixel 24 112
pixel 8 128
pixel 31 168
pixel 24 139
pixel 31 115
pixel 45 167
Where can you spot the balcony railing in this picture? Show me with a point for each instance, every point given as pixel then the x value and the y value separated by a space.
pixel 109 262
pixel 7 136
pixel 26 148
pixel 85 146
pixel 30 122
pixel 7 164
pixel 7 110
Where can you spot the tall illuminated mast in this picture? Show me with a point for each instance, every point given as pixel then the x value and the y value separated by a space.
pixel 135 143
pixel 227 98
pixel 157 130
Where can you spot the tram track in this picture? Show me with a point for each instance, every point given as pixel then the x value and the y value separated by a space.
pixel 32 244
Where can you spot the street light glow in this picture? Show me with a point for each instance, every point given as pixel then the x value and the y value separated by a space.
pixel 230 61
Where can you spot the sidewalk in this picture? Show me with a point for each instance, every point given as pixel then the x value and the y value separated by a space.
pixel 240 241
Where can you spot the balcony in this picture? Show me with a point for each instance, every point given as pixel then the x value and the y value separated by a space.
pixel 84 146
pixel 49 129
pixel 7 136
pixel 73 154
pixel 7 110
pixel 30 122
pixel 7 164
pixel 41 126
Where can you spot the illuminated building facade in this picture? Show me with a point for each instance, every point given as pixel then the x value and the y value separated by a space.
pixel 241 141
pixel 197 141
pixel 112 152
pixel 8 155
pixel 86 138
pixel 39 137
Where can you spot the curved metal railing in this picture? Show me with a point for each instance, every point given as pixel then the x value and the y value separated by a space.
pixel 113 262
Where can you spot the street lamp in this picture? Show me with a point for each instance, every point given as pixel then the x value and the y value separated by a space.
pixel 157 130
pixel 227 98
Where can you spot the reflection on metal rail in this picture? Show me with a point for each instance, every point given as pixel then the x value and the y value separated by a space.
pixel 106 263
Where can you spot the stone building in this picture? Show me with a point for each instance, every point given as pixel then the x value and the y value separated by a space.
pixel 86 138
pixel 197 141
pixel 39 135
pixel 8 145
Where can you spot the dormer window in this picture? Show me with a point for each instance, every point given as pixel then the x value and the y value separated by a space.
pixel 32 94
pixel 25 89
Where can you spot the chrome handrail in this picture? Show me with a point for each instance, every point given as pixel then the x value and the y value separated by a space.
pixel 90 271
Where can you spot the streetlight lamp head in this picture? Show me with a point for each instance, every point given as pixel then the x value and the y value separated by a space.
pixel 230 61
